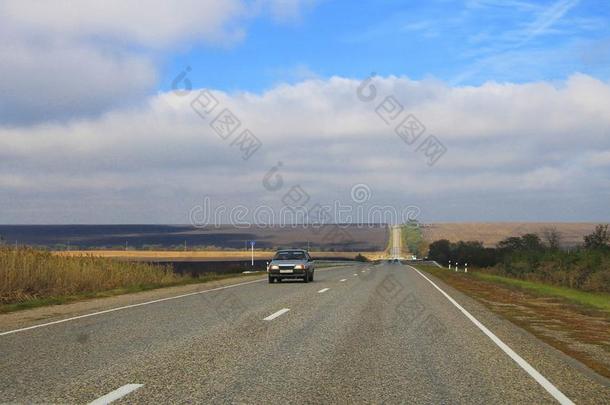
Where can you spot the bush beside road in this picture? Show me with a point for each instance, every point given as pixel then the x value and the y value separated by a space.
pixel 530 258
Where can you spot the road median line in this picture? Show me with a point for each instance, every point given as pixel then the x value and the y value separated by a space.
pixel 107 311
pixel 116 394
pixel 276 314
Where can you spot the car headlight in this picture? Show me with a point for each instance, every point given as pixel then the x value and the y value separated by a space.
pixel 299 267
pixel 274 267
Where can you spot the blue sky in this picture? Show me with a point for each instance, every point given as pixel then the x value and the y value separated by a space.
pixel 461 42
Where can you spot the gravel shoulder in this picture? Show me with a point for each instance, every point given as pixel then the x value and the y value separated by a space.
pixel 580 333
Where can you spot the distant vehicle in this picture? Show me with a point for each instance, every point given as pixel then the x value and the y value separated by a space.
pixel 291 264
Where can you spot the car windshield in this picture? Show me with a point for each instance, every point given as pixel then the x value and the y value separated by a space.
pixel 290 255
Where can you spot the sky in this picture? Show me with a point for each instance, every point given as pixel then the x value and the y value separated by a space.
pixel 476 110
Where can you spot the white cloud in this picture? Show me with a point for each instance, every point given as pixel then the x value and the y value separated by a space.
pixel 525 141
pixel 157 23
pixel 62 59
pixel 40 83
pixel 286 10
pixel 600 158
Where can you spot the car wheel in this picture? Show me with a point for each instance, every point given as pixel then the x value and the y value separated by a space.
pixel 311 278
pixel 271 280
pixel 306 278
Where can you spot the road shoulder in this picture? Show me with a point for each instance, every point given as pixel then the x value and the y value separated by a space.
pixel 521 339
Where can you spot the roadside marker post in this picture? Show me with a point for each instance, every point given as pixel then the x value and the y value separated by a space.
pixel 252 249
pixel 456 267
pixel 449 264
pixel 466 268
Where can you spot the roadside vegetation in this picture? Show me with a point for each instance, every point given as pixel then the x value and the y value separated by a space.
pixel 361 258
pixel 532 258
pixel 413 239
pixel 31 277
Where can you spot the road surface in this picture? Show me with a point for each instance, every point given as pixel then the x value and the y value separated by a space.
pixel 396 242
pixel 362 333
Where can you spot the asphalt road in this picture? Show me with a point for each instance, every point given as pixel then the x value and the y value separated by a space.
pixel 358 334
pixel 395 248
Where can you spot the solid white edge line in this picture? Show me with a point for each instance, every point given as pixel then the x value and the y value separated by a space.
pixel 276 314
pixel 540 379
pixel 127 307
pixel 323 290
pixel 116 394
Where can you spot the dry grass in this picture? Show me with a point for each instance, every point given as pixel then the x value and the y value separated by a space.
pixel 194 255
pixel 162 254
pixel 491 233
pixel 27 274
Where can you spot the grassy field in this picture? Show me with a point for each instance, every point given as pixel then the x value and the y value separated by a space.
pixel 195 255
pixel 491 233
pixel 168 254
pixel 573 321
pixel 594 300
pixel 590 299
pixel 326 237
pixel 30 278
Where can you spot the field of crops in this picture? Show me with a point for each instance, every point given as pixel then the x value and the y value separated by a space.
pixel 27 274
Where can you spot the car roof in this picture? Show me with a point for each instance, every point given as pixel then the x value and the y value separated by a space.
pixel 292 250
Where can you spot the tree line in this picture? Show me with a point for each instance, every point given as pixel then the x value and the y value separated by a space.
pixel 531 257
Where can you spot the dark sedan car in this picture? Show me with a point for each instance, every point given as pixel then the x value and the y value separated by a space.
pixel 291 264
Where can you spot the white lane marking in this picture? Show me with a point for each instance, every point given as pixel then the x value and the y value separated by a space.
pixel 343 279
pixel 127 307
pixel 355 274
pixel 362 271
pixel 323 290
pixel 116 394
pixel 9 332
pixel 276 314
pixel 540 379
